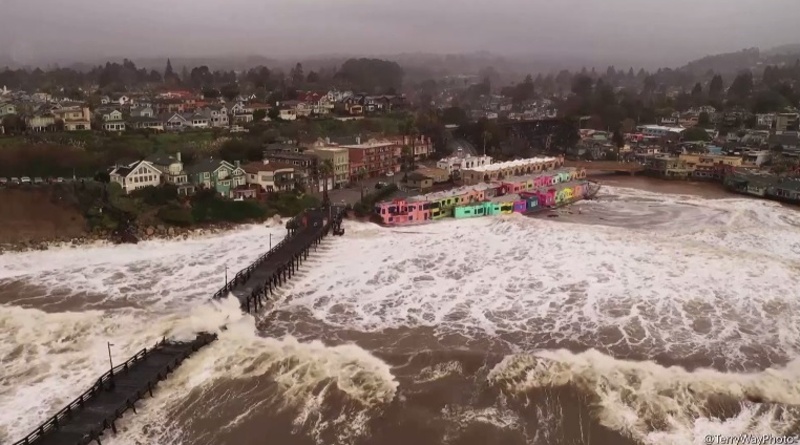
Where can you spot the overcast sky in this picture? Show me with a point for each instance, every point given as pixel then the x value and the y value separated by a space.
pixel 32 30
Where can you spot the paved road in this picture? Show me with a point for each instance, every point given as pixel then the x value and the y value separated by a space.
pixel 353 194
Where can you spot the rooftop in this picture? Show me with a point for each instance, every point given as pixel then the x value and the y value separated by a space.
pixel 512 164
pixel 256 167
pixel 452 192
pixel 663 128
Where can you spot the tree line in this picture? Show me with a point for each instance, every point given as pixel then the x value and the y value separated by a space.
pixel 371 76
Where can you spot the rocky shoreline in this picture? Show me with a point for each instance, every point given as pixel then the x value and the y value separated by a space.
pixel 146 233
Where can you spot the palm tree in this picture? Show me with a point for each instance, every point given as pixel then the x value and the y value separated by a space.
pixel 325 172
pixel 409 129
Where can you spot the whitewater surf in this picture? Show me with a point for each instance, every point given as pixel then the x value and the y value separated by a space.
pixel 642 319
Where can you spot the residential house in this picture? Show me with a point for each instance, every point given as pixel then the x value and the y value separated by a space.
pixel 339 158
pixel 136 175
pixel 270 176
pixel 287 114
pixel 352 105
pixel 142 111
pixel 306 163
pixel 667 166
pixel 709 166
pixel 196 120
pixel 6 109
pixel 420 146
pixel 765 120
pixel 418 181
pixel 41 97
pixel 169 106
pixel 438 175
pixel 660 131
pixel 241 113
pixel 301 109
pixel 75 118
pixel 147 123
pixel 175 122
pixel 117 99
pixel 172 171
pixel 787 122
pixel 217 115
pixel 218 175
pixel 112 120
pixel 41 122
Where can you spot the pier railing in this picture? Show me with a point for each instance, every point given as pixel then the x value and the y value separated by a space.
pixel 100 385
pixel 335 216
pixel 242 276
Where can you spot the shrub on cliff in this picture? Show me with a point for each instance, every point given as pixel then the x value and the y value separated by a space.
pixel 157 196
pixel 211 208
pixel 176 215
pixel 289 204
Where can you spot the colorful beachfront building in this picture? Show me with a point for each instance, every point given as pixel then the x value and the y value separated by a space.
pixel 517 194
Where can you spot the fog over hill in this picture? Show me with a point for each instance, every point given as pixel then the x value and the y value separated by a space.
pixel 545 35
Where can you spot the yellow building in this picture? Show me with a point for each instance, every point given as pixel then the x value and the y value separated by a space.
pixel 340 158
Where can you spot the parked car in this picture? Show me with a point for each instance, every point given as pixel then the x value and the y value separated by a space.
pixel 38 180
pixel 25 180
pixel 380 185
pixel 15 180
pixel 3 181
pixel 59 180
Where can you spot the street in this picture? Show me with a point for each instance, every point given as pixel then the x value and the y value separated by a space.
pixel 352 194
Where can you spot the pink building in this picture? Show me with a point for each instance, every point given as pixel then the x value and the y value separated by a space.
pixel 400 211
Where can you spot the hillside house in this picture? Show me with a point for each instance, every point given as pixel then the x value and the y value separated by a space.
pixel 218 175
pixel 136 175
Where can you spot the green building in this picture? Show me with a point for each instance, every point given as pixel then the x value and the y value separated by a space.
pixel 218 175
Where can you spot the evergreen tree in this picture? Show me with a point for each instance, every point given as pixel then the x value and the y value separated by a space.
pixel 717 87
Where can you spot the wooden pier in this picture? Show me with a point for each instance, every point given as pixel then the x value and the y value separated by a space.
pixel 86 418
pixel 255 283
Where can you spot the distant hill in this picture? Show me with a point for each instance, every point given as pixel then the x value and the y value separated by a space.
pixel 752 59
pixel 727 63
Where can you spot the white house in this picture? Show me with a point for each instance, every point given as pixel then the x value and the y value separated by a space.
pixel 136 175
pixel 659 130
pixel 270 176
pixel 41 122
pixel 176 122
pixel 765 120
pixel 115 100
pixel 217 115
pixel 197 120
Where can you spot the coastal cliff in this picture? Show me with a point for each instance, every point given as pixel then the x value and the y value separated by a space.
pixel 35 218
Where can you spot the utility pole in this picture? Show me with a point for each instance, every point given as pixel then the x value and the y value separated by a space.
pixel 226 275
pixel 270 241
pixel 110 362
